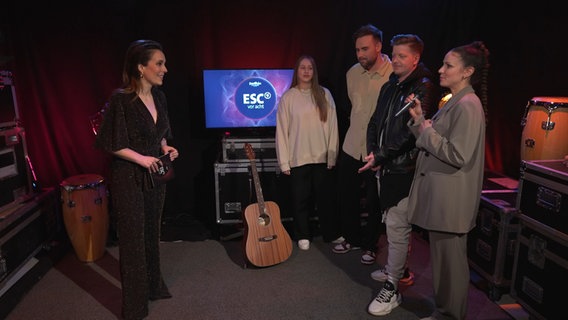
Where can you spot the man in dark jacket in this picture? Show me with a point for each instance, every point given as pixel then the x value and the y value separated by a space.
pixel 392 153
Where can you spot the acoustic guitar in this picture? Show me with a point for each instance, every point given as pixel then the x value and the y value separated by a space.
pixel 266 240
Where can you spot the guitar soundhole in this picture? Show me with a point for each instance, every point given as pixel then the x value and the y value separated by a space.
pixel 264 219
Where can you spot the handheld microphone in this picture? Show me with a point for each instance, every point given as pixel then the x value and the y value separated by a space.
pixel 407 105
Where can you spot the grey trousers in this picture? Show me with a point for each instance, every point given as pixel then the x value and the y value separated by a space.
pixel 398 238
pixel 450 274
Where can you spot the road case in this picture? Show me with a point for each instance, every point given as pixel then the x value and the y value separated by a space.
pixel 24 230
pixel 539 272
pixel 234 189
pixel 543 192
pixel 15 174
pixel 234 151
pixel 491 243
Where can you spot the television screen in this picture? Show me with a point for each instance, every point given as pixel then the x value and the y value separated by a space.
pixel 243 98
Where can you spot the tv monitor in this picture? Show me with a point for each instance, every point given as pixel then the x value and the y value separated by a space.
pixel 243 98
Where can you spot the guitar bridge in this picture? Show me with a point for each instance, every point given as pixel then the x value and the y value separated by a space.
pixel 269 238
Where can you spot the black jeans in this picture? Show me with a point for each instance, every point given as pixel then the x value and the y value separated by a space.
pixel 312 190
pixel 352 187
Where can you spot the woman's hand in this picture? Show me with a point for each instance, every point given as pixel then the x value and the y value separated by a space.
pixel 417 115
pixel 424 124
pixel 148 162
pixel 416 108
pixel 171 150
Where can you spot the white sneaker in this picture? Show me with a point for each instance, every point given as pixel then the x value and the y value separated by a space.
pixel 380 275
pixel 338 240
pixel 387 299
pixel 304 244
pixel 368 257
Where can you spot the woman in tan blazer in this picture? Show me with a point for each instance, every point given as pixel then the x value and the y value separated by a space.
pixel 445 194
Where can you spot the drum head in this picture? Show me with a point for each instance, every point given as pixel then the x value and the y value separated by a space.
pixel 545 101
pixel 82 181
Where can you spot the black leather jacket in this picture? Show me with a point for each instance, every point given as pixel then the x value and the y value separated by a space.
pixel 388 137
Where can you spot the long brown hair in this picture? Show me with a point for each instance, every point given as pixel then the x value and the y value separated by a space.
pixel 317 91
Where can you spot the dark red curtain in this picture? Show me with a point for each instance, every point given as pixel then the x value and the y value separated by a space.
pixel 66 61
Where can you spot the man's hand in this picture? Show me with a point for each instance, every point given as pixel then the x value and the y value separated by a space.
pixel 370 159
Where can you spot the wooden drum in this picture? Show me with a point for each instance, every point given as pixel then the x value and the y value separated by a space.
pixel 545 129
pixel 85 213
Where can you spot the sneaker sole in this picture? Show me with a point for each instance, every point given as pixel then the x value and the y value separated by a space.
pixel 385 312
pixel 376 278
pixel 401 282
pixel 344 251
pixel 406 282
pixel 338 241
pixel 379 279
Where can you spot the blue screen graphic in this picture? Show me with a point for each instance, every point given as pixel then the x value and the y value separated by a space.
pixel 243 98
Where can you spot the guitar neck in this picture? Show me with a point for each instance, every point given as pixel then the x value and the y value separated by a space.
pixel 257 187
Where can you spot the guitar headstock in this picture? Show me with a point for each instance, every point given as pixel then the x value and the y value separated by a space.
pixel 250 151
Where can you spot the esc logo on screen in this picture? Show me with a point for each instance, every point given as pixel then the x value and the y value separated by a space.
pixel 255 98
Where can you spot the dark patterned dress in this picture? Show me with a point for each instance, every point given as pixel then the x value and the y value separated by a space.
pixel 136 205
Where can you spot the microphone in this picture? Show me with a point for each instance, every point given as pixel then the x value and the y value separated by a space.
pixel 407 105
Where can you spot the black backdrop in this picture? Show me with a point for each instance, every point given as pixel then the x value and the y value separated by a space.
pixel 67 59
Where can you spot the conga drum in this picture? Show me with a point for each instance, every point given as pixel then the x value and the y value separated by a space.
pixel 545 129
pixel 84 200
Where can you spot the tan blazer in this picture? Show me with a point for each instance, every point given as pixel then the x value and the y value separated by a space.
pixel 446 190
